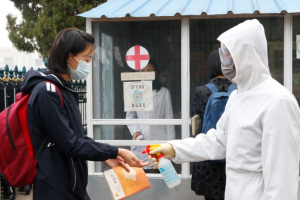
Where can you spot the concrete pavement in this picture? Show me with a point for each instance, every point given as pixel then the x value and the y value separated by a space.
pixel 22 196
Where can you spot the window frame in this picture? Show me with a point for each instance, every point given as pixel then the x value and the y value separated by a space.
pixel 185 121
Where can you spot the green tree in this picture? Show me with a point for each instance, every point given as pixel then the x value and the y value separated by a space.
pixel 43 20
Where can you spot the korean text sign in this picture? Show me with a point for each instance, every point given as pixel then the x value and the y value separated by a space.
pixel 138 96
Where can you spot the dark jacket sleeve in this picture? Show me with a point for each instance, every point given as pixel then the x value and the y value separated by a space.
pixel 54 121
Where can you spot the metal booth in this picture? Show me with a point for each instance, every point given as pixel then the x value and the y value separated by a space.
pixel 179 35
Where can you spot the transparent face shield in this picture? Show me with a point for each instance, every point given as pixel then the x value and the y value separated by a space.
pixel 225 55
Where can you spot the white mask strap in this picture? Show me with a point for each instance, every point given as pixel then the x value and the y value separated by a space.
pixel 75 58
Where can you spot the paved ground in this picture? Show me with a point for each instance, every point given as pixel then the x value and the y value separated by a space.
pixel 22 196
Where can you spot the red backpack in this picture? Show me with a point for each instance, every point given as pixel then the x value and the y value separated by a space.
pixel 17 159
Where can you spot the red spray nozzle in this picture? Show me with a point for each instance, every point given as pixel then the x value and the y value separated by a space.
pixel 150 148
pixel 147 150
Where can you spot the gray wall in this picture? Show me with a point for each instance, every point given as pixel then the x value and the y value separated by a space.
pixel 98 189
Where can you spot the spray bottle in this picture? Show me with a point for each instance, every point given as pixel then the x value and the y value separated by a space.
pixel 165 167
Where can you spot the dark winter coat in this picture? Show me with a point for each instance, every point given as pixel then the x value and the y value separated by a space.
pixel 208 178
pixel 62 169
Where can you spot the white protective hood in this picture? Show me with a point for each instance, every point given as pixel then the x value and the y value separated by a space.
pixel 248 47
pixel 259 131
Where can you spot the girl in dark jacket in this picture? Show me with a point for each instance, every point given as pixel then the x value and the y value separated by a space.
pixel 54 118
pixel 208 177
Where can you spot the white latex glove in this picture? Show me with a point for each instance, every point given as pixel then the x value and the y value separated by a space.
pixel 167 151
pixel 136 134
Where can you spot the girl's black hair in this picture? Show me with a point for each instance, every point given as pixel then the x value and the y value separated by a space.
pixel 214 65
pixel 156 84
pixel 70 40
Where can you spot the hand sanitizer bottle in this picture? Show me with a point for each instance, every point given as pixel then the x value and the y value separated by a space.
pixel 168 172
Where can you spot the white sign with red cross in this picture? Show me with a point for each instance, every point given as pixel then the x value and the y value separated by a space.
pixel 137 57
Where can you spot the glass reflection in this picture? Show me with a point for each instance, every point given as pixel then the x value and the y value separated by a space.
pixel 162 109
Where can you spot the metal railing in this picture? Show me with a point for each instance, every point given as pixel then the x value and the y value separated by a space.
pixel 80 88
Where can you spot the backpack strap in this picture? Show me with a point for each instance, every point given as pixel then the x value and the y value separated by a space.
pixel 41 149
pixel 44 144
pixel 231 88
pixel 212 87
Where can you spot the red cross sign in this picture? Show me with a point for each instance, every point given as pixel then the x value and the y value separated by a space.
pixel 137 57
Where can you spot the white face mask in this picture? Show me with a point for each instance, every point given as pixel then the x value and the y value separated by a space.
pixel 82 71
pixel 228 71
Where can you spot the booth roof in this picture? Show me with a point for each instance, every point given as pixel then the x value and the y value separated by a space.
pixel 164 8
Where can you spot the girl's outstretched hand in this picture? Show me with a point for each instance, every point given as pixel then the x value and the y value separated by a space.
pixel 112 163
pixel 131 159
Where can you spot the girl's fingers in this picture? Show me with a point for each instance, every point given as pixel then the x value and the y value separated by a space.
pixel 126 167
pixel 120 159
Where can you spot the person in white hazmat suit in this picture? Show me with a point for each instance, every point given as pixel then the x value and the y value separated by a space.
pixel 259 131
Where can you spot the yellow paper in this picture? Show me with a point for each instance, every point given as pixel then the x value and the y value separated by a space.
pixel 196 124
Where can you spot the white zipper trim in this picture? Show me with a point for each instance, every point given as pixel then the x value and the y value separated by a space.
pixel 50 144
pixel 61 82
pixel 74 173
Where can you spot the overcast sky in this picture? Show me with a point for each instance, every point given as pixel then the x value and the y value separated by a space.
pixel 6 7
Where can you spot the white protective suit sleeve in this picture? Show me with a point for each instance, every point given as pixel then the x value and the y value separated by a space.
pixel 210 146
pixel 280 151
pixel 132 128
pixel 168 114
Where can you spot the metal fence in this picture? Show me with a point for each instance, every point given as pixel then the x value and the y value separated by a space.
pixel 80 87
pixel 10 85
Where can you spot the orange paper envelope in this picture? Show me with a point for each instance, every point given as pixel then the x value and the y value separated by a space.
pixel 124 184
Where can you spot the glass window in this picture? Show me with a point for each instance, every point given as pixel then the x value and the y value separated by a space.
pixel 296 61
pixel 203 40
pixel 163 42
pixel 125 132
